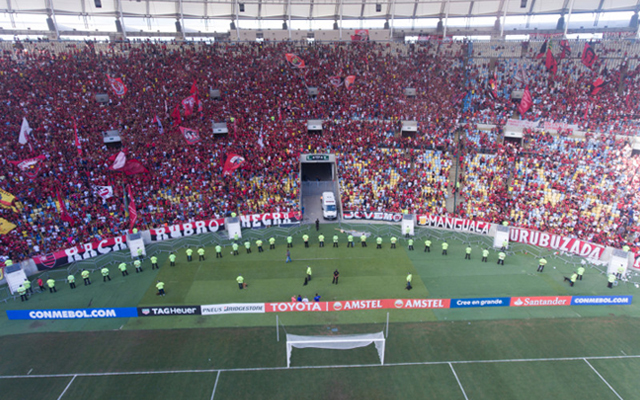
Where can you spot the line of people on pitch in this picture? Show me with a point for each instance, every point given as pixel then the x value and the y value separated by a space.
pixel 579 273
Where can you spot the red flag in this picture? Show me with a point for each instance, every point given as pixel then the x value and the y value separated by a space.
pixel 177 119
pixel 566 49
pixel 64 215
pixel 233 162
pixel 133 167
pixel 133 213
pixel 361 35
pixel 335 80
pixel 294 60
pixel 75 130
pixel 194 88
pixel 348 81
pixel 118 160
pixel 156 120
pixel 542 51
pixel 117 85
pixel 189 103
pixel 190 135
pixel 597 86
pixel 30 166
pixel 551 63
pixel 526 102
pixel 589 56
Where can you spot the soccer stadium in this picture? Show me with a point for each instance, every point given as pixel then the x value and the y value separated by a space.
pixel 271 199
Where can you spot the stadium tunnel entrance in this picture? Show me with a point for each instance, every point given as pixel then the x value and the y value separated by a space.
pixel 319 175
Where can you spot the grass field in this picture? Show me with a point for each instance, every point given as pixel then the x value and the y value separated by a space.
pixel 510 353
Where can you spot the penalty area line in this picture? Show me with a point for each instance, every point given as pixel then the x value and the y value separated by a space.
pixel 407 364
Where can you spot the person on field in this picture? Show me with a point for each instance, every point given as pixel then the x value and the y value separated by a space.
pixel 240 281
pixel 485 255
pixel 467 251
pixel 85 277
pixel 308 273
pixel 123 269
pixel 580 272
pixel 160 287
pixel 52 285
pixel 350 240
pixel 247 246
pixel 321 240
pixel 611 280
pixel 393 240
pixel 200 254
pixel 501 256
pixel 335 240
pixel 259 245
pixel 571 280
pixel 41 284
pixel 378 242
pixel 138 266
pixel 272 243
pixel 288 260
pixel 363 240
pixel 541 264
pixel 305 239
pixel 445 247
pixel 140 255
pixel 189 254
pixel 27 286
pixel 72 281
pixel 317 298
pixel 154 262
pixel 289 241
pixel 172 260
pixel 336 275
pixel 105 273
pixel 234 247
pixel 427 246
pixel 409 278
pixel 23 293
pixel 410 244
pixel 218 251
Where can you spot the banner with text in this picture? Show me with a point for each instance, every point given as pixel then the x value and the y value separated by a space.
pixel 187 229
pixel 373 216
pixel 555 242
pixel 270 219
pixel 454 224
pixel 80 252
pixel 74 313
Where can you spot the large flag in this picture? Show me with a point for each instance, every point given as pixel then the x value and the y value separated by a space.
pixel 118 160
pixel 194 88
pixel 189 103
pixel 62 209
pixel 190 135
pixel 233 162
pixel 361 35
pixel 550 62
pixel 7 200
pixel 133 213
pixel 175 114
pixel 589 56
pixel 597 86
pixel 30 166
pixel 75 130
pixel 336 80
pixel 25 130
pixel 133 167
pixel 566 49
pixel 492 88
pixel 348 81
pixel 6 227
pixel 542 51
pixel 106 192
pixel 294 60
pixel 157 121
pixel 117 86
pixel 526 102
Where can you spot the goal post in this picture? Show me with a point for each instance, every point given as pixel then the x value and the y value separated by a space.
pixel 337 342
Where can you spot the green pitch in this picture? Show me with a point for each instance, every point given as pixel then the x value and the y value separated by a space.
pixel 205 357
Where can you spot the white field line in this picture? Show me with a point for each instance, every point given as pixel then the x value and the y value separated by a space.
pixel 603 380
pixel 215 385
pixel 459 384
pixel 408 364
pixel 65 389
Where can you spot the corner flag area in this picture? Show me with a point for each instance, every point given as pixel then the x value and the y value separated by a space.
pixel 466 330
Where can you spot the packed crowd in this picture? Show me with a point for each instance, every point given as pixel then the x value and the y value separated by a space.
pixel 266 104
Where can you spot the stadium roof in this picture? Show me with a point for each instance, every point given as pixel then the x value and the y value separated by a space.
pixel 216 15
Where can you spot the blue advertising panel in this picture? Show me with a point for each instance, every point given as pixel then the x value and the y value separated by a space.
pixel 600 300
pixel 484 302
pixel 74 313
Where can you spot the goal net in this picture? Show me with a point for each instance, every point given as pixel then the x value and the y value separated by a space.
pixel 340 342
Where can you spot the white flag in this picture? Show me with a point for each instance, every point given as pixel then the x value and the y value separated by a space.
pixel 120 160
pixel 24 131
pixel 105 192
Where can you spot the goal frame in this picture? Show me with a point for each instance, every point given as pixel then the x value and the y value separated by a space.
pixel 353 342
